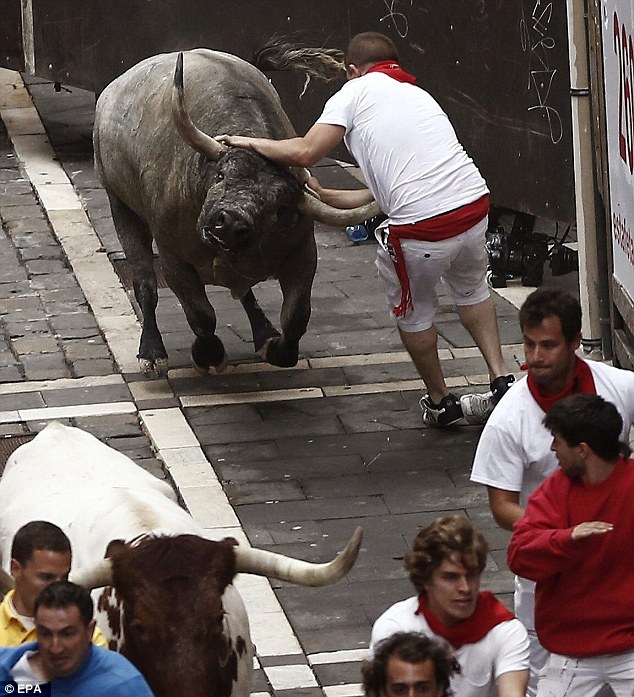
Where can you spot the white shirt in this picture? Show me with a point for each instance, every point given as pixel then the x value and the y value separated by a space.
pixel 405 146
pixel 514 449
pixel 23 673
pixel 503 650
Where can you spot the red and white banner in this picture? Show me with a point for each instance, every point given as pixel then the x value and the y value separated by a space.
pixel 618 55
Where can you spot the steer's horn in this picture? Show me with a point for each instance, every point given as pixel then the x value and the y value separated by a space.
pixel 95 576
pixel 201 142
pixel 329 215
pixel 303 573
pixel 6 583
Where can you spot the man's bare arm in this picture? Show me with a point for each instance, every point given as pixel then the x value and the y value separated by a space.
pixel 341 198
pixel 505 507
pixel 302 151
pixel 512 684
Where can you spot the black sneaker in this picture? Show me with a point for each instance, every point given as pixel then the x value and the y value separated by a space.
pixel 446 413
pixel 500 386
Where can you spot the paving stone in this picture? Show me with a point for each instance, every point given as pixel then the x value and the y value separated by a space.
pixel 83 349
pixel 87 395
pixel 342 507
pixel 50 281
pixel 257 431
pixel 40 267
pixel 46 366
pixel 241 470
pixel 263 492
pixel 30 232
pixel 29 254
pixel 24 400
pixel 11 373
pixel 26 328
pixel 68 323
pixel 135 447
pixel 17 286
pixel 335 639
pixel 27 212
pixel 23 304
pixel 93 366
pixel 112 426
pixel 338 673
pixel 35 344
pixel 6 356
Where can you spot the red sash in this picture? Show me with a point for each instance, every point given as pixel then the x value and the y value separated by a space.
pixel 440 227
pixel 582 382
pixel 393 70
pixel 489 613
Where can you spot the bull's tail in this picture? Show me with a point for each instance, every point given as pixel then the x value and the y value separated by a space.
pixel 280 53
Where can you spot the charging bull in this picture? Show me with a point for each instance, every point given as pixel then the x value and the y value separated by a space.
pixel 218 216
pixel 169 603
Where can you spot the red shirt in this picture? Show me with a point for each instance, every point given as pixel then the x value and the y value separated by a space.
pixel 584 599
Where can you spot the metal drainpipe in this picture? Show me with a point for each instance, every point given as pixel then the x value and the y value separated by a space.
pixel 589 291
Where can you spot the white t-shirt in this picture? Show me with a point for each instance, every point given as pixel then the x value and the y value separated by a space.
pixel 405 146
pixel 503 650
pixel 514 449
pixel 22 672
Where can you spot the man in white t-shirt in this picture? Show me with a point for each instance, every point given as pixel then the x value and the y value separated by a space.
pixel 490 645
pixel 437 206
pixel 514 453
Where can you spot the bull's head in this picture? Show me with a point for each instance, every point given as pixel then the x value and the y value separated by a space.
pixel 262 193
pixel 248 197
pixel 176 628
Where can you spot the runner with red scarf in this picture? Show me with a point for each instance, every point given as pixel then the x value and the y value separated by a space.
pixel 574 540
pixel 490 645
pixel 437 205
pixel 513 456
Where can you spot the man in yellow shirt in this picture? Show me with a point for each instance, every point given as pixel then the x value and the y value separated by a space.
pixel 40 555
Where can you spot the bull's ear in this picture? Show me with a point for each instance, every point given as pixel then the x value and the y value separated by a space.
pixel 115 547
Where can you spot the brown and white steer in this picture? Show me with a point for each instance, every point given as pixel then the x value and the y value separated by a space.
pixel 169 603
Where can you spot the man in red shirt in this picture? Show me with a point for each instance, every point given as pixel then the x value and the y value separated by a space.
pixel 574 541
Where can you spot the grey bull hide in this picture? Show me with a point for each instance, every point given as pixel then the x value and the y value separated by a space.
pixel 218 216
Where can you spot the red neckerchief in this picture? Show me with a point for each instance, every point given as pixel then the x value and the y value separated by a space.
pixel 489 613
pixel 582 382
pixel 440 227
pixel 392 69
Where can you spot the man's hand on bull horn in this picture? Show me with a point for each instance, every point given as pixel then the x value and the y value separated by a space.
pixel 236 141
pixel 312 186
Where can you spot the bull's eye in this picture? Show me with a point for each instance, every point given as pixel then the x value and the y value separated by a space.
pixel 220 176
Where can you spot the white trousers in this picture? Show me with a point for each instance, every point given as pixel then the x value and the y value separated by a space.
pixel 564 676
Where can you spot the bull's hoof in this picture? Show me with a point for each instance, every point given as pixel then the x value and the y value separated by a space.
pixel 208 354
pixel 278 352
pixel 210 370
pixel 153 368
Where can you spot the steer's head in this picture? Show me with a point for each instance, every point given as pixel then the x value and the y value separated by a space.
pixel 249 199
pixel 174 623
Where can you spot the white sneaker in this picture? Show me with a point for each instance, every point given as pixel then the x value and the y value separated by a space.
pixel 477 407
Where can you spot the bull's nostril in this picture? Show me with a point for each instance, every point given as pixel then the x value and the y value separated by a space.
pixel 221 220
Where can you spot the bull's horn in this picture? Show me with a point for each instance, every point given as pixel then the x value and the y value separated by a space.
pixel 303 573
pixel 95 576
pixel 329 215
pixel 6 583
pixel 201 142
